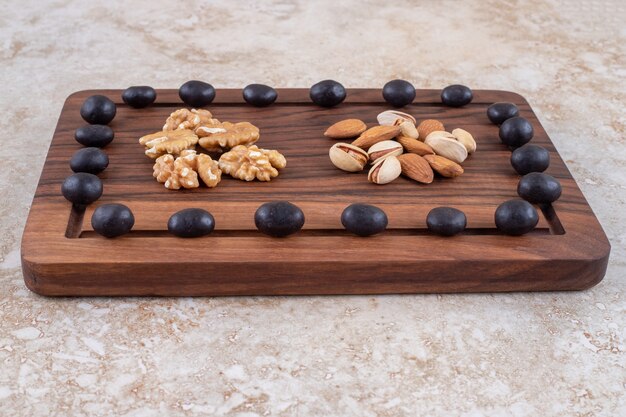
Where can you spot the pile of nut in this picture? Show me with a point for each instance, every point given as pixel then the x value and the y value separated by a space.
pixel 178 164
pixel 400 146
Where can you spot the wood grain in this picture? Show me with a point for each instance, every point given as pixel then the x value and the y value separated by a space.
pixel 61 255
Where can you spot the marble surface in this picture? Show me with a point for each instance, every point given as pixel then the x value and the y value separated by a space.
pixel 554 354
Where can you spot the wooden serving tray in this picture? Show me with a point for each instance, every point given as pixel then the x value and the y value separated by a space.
pixel 62 255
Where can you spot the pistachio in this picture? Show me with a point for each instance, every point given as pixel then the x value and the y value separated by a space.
pixel 408 129
pixel 440 133
pixel 446 145
pixel 385 170
pixel 466 139
pixel 389 118
pixel 348 157
pixel 384 149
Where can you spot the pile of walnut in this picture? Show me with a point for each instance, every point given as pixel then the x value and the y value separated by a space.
pixel 400 146
pixel 178 165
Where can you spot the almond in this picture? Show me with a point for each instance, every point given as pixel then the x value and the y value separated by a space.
pixel 444 166
pixel 416 168
pixel 415 146
pixel 348 128
pixel 376 134
pixel 427 126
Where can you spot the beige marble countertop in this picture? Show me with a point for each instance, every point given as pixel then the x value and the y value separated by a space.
pixel 554 354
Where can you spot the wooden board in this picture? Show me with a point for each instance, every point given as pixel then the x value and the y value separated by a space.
pixel 62 255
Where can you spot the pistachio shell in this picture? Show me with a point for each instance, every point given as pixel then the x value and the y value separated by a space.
pixel 441 133
pixel 408 129
pixel 348 157
pixel 466 139
pixel 384 149
pixel 444 144
pixel 389 117
pixel 385 170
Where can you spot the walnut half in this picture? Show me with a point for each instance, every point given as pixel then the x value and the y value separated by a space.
pixel 169 142
pixel 209 170
pixel 184 170
pixel 226 135
pixel 248 163
pixel 216 136
pixel 189 119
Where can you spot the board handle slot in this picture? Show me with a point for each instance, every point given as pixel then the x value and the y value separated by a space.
pixel 313 232
pixel 298 103
pixel 556 227
pixel 75 221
